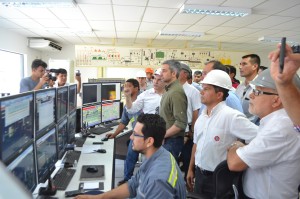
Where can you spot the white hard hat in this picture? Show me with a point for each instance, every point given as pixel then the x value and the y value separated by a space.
pixel 218 78
pixel 157 71
pixel 141 74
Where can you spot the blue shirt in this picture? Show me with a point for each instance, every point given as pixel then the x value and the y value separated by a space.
pixel 127 117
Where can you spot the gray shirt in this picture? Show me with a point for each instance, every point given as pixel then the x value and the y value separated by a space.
pixel 27 84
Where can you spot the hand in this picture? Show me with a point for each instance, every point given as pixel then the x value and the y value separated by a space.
pixel 44 79
pixel 127 92
pixel 110 135
pixel 87 196
pixel 190 180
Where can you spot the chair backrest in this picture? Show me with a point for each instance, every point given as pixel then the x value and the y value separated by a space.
pixel 224 179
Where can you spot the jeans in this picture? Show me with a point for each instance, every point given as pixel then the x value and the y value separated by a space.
pixel 204 184
pixel 174 145
pixel 131 159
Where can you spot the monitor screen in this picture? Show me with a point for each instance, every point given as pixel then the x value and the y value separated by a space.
pixel 23 167
pixel 72 98
pixel 110 91
pixel 91 114
pixel 71 127
pixel 62 102
pixel 16 125
pixel 110 111
pixel 44 109
pixel 91 92
pixel 62 139
pixel 46 155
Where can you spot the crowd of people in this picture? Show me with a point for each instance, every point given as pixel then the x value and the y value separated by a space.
pixel 253 123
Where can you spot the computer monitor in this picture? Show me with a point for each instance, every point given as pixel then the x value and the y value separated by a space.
pixel 46 154
pixel 71 127
pixel 91 92
pixel 110 111
pixel 45 100
pixel 72 98
pixel 23 167
pixel 62 102
pixel 91 114
pixel 16 125
pixel 62 137
pixel 110 91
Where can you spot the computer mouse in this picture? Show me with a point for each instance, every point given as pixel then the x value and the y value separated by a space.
pixel 104 139
pixel 101 151
pixel 92 169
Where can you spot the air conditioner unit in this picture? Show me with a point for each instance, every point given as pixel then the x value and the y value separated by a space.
pixel 44 45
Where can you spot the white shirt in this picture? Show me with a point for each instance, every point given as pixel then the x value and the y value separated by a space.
pixel 148 101
pixel 215 133
pixel 194 101
pixel 273 158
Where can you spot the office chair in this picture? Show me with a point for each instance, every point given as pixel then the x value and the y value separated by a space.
pixel 227 184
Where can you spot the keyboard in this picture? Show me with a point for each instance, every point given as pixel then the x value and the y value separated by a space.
pixel 71 156
pixel 100 130
pixel 80 141
pixel 62 178
pixel 111 124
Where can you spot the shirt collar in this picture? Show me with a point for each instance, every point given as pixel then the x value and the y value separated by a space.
pixel 215 109
pixel 171 84
pixel 154 156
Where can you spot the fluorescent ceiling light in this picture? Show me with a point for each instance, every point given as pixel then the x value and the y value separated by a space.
pixel 215 10
pixel 178 33
pixel 274 40
pixel 38 3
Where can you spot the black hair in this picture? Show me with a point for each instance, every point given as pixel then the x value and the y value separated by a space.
pixel 223 90
pixel 61 71
pixel 134 82
pixel 174 66
pixel 263 67
pixel 197 72
pixel 217 65
pixel 254 59
pixel 38 62
pixel 153 126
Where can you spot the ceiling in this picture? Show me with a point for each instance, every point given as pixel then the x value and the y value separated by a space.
pixel 137 23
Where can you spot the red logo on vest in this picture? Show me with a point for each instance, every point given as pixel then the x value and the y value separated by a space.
pixel 217 138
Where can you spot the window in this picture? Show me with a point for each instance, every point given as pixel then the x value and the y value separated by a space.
pixel 11 72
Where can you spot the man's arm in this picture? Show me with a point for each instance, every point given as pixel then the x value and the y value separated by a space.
pixel 120 128
pixel 173 130
pixel 235 163
pixel 191 171
pixel 42 81
pixel 78 78
pixel 119 192
pixel 137 105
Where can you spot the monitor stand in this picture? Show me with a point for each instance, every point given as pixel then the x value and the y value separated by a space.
pixel 50 190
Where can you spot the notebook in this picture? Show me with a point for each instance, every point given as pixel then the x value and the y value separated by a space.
pixel 85 175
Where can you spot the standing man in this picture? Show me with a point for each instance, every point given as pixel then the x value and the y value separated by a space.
pixel 272 158
pixel 249 67
pixel 216 128
pixel 159 176
pixel 38 77
pixel 141 77
pixel 197 79
pixel 149 100
pixel 62 77
pixel 132 156
pixel 232 74
pixel 173 107
pixel 149 77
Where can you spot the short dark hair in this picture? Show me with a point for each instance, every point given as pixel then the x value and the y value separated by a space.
pixel 153 126
pixel 197 72
pixel 174 66
pixel 134 82
pixel 217 65
pixel 38 62
pixel 254 59
pixel 232 69
pixel 61 71
pixel 223 90
pixel 263 67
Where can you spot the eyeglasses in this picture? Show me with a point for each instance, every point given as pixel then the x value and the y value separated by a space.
pixel 258 92
pixel 137 135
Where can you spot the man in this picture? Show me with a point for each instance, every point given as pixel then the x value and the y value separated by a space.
pixel 141 77
pixel 149 77
pixel 215 129
pixel 289 94
pixel 149 100
pixel 38 77
pixel 159 176
pixel 194 104
pixel 249 67
pixel 62 77
pixel 197 79
pixel 173 107
pixel 132 156
pixel 232 100
pixel 232 74
pixel 272 158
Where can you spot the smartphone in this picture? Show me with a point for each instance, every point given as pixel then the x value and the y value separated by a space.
pixel 77 72
pixel 282 54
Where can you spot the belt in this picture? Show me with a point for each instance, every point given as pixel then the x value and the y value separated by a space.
pixel 204 172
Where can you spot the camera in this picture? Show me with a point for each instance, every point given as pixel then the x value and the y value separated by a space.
pixel 77 72
pixel 52 74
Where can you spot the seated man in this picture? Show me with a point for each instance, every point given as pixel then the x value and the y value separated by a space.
pixel 272 158
pixel 159 176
